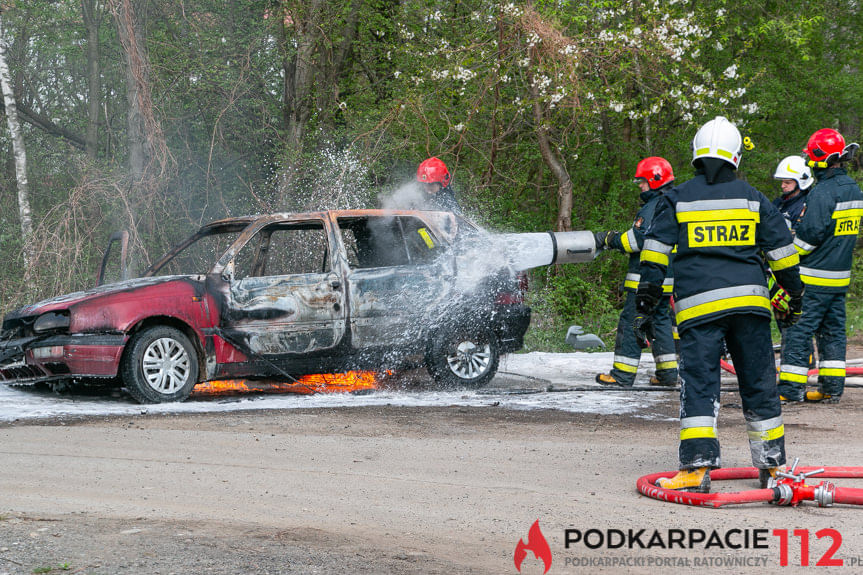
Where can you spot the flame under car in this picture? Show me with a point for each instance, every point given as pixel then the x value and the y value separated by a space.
pixel 277 297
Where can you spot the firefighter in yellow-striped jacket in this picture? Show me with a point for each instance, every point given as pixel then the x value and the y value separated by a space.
pixel 654 177
pixel 721 226
pixel 825 239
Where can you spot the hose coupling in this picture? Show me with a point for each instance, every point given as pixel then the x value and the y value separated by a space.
pixel 824 494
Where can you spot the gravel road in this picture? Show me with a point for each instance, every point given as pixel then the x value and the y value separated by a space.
pixel 378 489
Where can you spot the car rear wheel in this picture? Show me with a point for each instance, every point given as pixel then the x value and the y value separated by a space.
pixel 465 357
pixel 160 365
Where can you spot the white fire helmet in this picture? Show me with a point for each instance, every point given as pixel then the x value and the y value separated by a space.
pixel 795 168
pixel 718 138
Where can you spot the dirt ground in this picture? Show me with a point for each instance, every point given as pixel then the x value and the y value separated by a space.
pixel 387 490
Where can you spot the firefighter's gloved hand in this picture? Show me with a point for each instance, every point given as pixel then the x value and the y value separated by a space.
pixel 779 298
pixel 795 310
pixel 646 299
pixel 601 240
pixel 642 325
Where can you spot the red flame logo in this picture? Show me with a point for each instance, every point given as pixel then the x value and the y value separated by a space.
pixel 535 542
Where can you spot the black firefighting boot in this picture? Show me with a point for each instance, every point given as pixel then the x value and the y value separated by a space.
pixel 608 379
pixel 692 480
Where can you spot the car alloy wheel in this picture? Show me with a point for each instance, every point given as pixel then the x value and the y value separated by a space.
pixel 166 365
pixel 470 360
pixel 160 364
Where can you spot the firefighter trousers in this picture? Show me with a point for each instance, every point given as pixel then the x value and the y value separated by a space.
pixel 748 339
pixel 627 352
pixel 823 317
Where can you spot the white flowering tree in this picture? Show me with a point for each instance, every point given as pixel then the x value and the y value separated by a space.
pixel 587 88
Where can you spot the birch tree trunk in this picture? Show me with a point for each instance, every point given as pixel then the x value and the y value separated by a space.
pixel 18 149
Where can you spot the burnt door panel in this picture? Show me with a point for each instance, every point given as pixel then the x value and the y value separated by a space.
pixel 284 298
pixel 397 282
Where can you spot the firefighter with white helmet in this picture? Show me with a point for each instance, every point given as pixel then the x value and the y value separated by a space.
pixel 796 178
pixel 721 226
pixel 825 239
pixel 654 176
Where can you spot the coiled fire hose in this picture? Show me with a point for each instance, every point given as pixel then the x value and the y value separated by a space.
pixel 790 488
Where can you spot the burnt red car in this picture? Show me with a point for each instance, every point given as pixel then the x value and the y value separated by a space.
pixel 278 296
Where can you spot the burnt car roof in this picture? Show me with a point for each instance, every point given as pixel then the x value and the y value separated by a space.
pixel 319 214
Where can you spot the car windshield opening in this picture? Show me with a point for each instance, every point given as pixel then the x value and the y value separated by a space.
pixel 198 254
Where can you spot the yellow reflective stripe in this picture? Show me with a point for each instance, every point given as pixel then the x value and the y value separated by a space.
pixel 697 433
pixel 624 367
pixel 625 241
pixel 666 365
pixel 767 435
pixel 426 238
pixel 802 247
pixel 832 371
pixel 667 288
pixel 827 282
pixel 701 151
pixel 717 215
pixel 721 305
pixel 793 377
pixel 782 263
pixel 655 257
pixel 629 284
pixel 852 213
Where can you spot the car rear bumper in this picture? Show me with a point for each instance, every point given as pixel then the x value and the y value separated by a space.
pixel 512 322
pixel 38 359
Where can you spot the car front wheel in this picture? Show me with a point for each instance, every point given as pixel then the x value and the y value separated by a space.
pixel 160 365
pixel 466 357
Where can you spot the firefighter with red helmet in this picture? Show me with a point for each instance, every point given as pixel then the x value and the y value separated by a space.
pixel 654 177
pixel 721 226
pixel 825 239
pixel 434 179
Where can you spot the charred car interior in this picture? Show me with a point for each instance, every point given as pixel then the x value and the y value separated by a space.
pixel 278 296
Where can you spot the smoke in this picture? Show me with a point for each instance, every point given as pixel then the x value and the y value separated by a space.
pixel 407 196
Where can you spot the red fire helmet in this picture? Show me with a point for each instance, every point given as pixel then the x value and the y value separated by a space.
pixel 824 144
pixel 433 170
pixel 657 171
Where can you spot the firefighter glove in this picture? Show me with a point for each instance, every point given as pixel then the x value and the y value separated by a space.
pixel 601 239
pixel 646 300
pixel 779 298
pixel 795 310
pixel 642 325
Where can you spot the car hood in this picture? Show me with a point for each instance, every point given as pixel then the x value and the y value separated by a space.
pixel 66 301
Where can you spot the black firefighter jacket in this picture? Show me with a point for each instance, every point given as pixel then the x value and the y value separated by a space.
pixel 828 231
pixel 720 231
pixel 632 241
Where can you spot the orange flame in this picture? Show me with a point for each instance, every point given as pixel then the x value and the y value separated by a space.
pixel 306 385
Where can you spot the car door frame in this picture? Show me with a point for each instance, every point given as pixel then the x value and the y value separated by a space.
pixel 274 330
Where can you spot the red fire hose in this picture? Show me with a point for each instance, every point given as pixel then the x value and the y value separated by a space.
pixel 790 489
pixel 849 371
